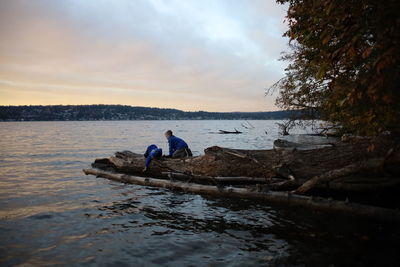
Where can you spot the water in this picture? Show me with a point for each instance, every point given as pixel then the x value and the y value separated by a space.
pixel 50 213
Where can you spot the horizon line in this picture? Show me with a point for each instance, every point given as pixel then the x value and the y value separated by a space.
pixel 37 105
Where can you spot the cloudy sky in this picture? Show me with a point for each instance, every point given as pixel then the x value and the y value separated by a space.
pixel 214 55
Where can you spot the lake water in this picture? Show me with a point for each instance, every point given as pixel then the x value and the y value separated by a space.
pixel 50 213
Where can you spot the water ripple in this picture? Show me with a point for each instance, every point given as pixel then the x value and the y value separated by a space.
pixel 50 213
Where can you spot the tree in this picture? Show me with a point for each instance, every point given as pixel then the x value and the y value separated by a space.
pixel 344 63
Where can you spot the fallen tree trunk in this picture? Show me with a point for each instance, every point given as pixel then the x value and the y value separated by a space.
pixel 200 178
pixel 324 168
pixel 225 162
pixel 245 193
pixel 335 174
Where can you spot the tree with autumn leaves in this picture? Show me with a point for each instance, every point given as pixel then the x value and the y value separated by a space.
pixel 344 63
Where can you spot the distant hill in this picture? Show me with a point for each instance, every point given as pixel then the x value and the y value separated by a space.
pixel 120 112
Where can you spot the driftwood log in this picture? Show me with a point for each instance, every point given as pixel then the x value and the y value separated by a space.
pixel 337 173
pixel 367 166
pixel 285 198
pixel 326 167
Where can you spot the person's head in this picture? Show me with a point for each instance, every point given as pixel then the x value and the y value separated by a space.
pixel 168 134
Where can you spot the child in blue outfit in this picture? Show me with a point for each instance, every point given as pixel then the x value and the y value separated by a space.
pixel 152 151
pixel 177 147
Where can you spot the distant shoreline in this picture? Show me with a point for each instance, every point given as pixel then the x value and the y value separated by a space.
pixel 125 113
pixel 142 120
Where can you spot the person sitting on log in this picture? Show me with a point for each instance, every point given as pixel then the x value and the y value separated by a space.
pixel 177 147
pixel 152 151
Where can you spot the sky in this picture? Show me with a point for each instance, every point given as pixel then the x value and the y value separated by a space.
pixel 212 55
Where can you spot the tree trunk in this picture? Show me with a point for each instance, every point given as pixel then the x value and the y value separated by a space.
pixel 335 174
pixel 245 193
pixel 214 180
pixel 323 164
pixel 339 171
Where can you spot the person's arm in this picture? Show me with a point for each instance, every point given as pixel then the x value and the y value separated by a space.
pixel 148 160
pixel 171 149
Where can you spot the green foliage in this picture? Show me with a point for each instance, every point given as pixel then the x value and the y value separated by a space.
pixel 344 63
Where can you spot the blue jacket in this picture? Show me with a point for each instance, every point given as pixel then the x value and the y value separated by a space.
pixel 152 151
pixel 175 143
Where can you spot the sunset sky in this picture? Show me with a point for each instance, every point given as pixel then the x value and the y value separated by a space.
pixel 214 55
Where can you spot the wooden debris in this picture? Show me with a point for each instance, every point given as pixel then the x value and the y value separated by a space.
pixel 271 196
pixel 337 173
pixel 341 169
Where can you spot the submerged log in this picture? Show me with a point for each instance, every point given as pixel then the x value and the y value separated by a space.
pixel 241 193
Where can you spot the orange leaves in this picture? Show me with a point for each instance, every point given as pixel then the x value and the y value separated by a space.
pixel 388 98
pixel 367 52
pixel 380 66
pixel 331 7
pixel 350 51
pixel 371 147
pixel 326 36
pixel 374 88
pixel 321 73
pixel 326 40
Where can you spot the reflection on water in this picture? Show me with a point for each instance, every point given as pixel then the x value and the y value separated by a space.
pixel 50 213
